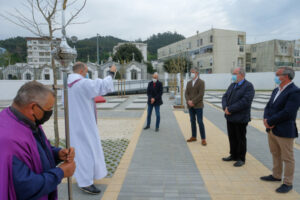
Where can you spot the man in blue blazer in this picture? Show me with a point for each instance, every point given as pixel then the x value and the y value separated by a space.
pixel 154 93
pixel 236 103
pixel 280 122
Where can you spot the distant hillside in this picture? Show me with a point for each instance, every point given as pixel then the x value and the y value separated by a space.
pixel 88 46
pixel 159 40
pixel 16 47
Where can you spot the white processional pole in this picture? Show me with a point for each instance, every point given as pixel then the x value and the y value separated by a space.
pixel 65 55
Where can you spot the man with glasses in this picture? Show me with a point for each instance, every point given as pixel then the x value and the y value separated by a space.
pixel 28 161
pixel 236 103
pixel 280 122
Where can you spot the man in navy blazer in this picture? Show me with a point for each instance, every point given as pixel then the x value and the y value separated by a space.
pixel 280 122
pixel 154 93
pixel 236 103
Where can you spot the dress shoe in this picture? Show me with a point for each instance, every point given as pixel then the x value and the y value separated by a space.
pixel 146 127
pixel 157 129
pixel 269 178
pixel 203 142
pixel 91 189
pixel 192 139
pixel 229 158
pixel 239 163
pixel 284 188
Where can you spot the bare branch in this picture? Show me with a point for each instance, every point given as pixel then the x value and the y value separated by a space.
pixel 75 15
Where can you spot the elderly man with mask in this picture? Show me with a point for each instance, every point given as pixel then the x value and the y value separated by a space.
pixel 84 134
pixel 28 161
pixel 236 103
pixel 154 93
pixel 194 98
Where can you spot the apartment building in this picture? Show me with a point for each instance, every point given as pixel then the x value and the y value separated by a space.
pixel 140 46
pixel 268 56
pixel 39 51
pixel 212 51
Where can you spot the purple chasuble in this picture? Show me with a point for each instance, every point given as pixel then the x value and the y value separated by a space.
pixel 16 139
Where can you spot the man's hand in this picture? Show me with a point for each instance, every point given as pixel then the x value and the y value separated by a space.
pixel 267 125
pixel 68 168
pixel 152 100
pixel 113 69
pixel 227 112
pixel 67 154
pixel 190 103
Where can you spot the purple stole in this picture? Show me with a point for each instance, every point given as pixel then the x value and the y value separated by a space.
pixel 16 139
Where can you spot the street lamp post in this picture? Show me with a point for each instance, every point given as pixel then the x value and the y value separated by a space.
pixel 65 55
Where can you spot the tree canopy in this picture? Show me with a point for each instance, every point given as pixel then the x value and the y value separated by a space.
pixel 125 52
pixel 177 65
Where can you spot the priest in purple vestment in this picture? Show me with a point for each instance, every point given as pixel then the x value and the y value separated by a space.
pixel 28 163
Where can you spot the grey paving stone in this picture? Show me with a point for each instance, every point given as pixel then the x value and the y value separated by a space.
pixel 261 100
pixel 136 106
pixel 298 139
pixel 162 162
pixel 106 106
pixel 258 106
pixel 116 100
pixel 143 97
pixel 214 100
pixel 77 193
pixel 140 101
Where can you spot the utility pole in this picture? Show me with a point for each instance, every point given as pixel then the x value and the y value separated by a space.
pixel 97 49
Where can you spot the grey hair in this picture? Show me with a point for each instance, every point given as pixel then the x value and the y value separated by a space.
pixel 78 66
pixel 32 91
pixel 288 71
pixel 155 73
pixel 242 71
pixel 195 69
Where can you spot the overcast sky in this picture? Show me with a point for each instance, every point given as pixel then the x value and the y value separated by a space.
pixel 134 19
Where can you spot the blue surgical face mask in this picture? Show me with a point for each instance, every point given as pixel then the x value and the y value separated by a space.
pixel 277 80
pixel 87 75
pixel 234 78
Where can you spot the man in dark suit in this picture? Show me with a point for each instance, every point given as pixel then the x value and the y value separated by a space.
pixel 194 98
pixel 154 93
pixel 280 122
pixel 236 103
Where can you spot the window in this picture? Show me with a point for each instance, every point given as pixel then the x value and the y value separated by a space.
pixel 253 49
pixel 28 76
pixel 47 76
pixel 253 60
pixel 133 74
pixel 10 76
pixel 201 42
pixel 241 48
pixel 41 54
pixel 211 38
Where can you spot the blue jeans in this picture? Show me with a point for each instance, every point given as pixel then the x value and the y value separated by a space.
pixel 150 108
pixel 199 113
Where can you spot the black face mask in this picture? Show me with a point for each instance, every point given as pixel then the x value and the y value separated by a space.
pixel 46 116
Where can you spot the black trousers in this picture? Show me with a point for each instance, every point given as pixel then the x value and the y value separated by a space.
pixel 237 140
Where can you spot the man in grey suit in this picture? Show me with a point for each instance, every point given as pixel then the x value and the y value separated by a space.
pixel 194 98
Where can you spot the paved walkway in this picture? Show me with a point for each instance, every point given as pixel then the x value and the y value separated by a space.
pixel 161 166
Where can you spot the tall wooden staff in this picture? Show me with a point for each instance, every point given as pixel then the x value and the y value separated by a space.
pixel 65 55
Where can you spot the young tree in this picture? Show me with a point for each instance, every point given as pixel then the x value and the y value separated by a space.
pixel 43 21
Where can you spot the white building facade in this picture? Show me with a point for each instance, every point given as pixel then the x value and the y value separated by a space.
pixel 212 51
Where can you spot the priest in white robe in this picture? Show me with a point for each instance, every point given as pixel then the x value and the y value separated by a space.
pixel 84 134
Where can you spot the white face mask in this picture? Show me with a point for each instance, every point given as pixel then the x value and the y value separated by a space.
pixel 154 80
pixel 193 75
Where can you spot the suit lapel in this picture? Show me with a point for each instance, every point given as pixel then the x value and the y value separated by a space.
pixel 282 94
